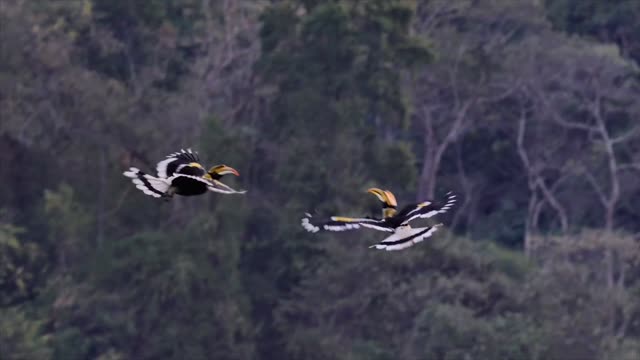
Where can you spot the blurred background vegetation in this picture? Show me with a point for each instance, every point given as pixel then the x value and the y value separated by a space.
pixel 528 109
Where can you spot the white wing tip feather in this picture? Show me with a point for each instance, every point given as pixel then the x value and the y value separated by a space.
pixel 448 205
pixel 343 227
pixel 307 225
pixel 131 173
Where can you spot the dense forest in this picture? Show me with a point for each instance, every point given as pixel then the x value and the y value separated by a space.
pixel 528 110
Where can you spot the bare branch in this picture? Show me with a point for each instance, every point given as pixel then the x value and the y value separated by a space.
pixel 428 22
pixel 635 166
pixel 559 119
pixel 614 193
pixel 535 180
pixel 630 134
pixel 510 90
pixel 572 125
pixel 453 74
pixel 467 187
pixel 530 224
pixel 560 180
pixel 555 204
pixel 520 140
pixel 456 128
pixel 536 213
pixel 596 187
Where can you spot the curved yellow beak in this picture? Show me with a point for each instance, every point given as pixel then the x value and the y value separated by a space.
pixel 379 193
pixel 385 196
pixel 224 169
pixel 391 199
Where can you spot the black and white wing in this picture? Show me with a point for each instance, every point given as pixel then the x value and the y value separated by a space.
pixel 403 239
pixel 340 223
pixel 167 167
pixel 425 209
pixel 217 186
pixel 149 185
pixel 212 185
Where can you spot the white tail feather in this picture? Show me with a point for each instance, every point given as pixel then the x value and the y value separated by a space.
pixel 148 184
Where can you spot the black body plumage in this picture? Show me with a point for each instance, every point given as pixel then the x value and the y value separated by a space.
pixel 403 235
pixel 181 173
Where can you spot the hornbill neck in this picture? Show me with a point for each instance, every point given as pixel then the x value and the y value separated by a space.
pixel 388 211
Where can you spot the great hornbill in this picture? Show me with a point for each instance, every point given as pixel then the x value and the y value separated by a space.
pixel 181 173
pixel 392 220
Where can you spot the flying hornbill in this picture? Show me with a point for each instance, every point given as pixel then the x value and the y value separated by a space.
pixel 181 173
pixel 392 221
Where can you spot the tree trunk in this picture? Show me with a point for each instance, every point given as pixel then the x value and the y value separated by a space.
pixel 426 187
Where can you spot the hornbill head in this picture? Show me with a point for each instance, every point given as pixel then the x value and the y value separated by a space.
pixel 388 199
pixel 216 172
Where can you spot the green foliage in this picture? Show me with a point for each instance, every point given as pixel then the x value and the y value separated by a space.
pixel 192 282
pixel 21 336
pixel 331 64
pixel 370 297
pixel 313 102
pixel 457 299
pixel 579 286
pixel 67 218
pixel 342 51
pixel 158 26
pixel 610 22
pixel 336 68
pixel 68 224
pixel 20 266
pixel 454 332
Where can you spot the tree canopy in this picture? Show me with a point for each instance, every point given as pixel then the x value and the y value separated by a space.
pixel 528 110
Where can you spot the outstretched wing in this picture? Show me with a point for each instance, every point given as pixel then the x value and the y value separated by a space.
pixel 149 185
pixel 340 223
pixel 403 240
pixel 215 185
pixel 167 167
pixel 426 209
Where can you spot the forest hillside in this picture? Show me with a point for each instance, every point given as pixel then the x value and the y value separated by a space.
pixel 527 110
